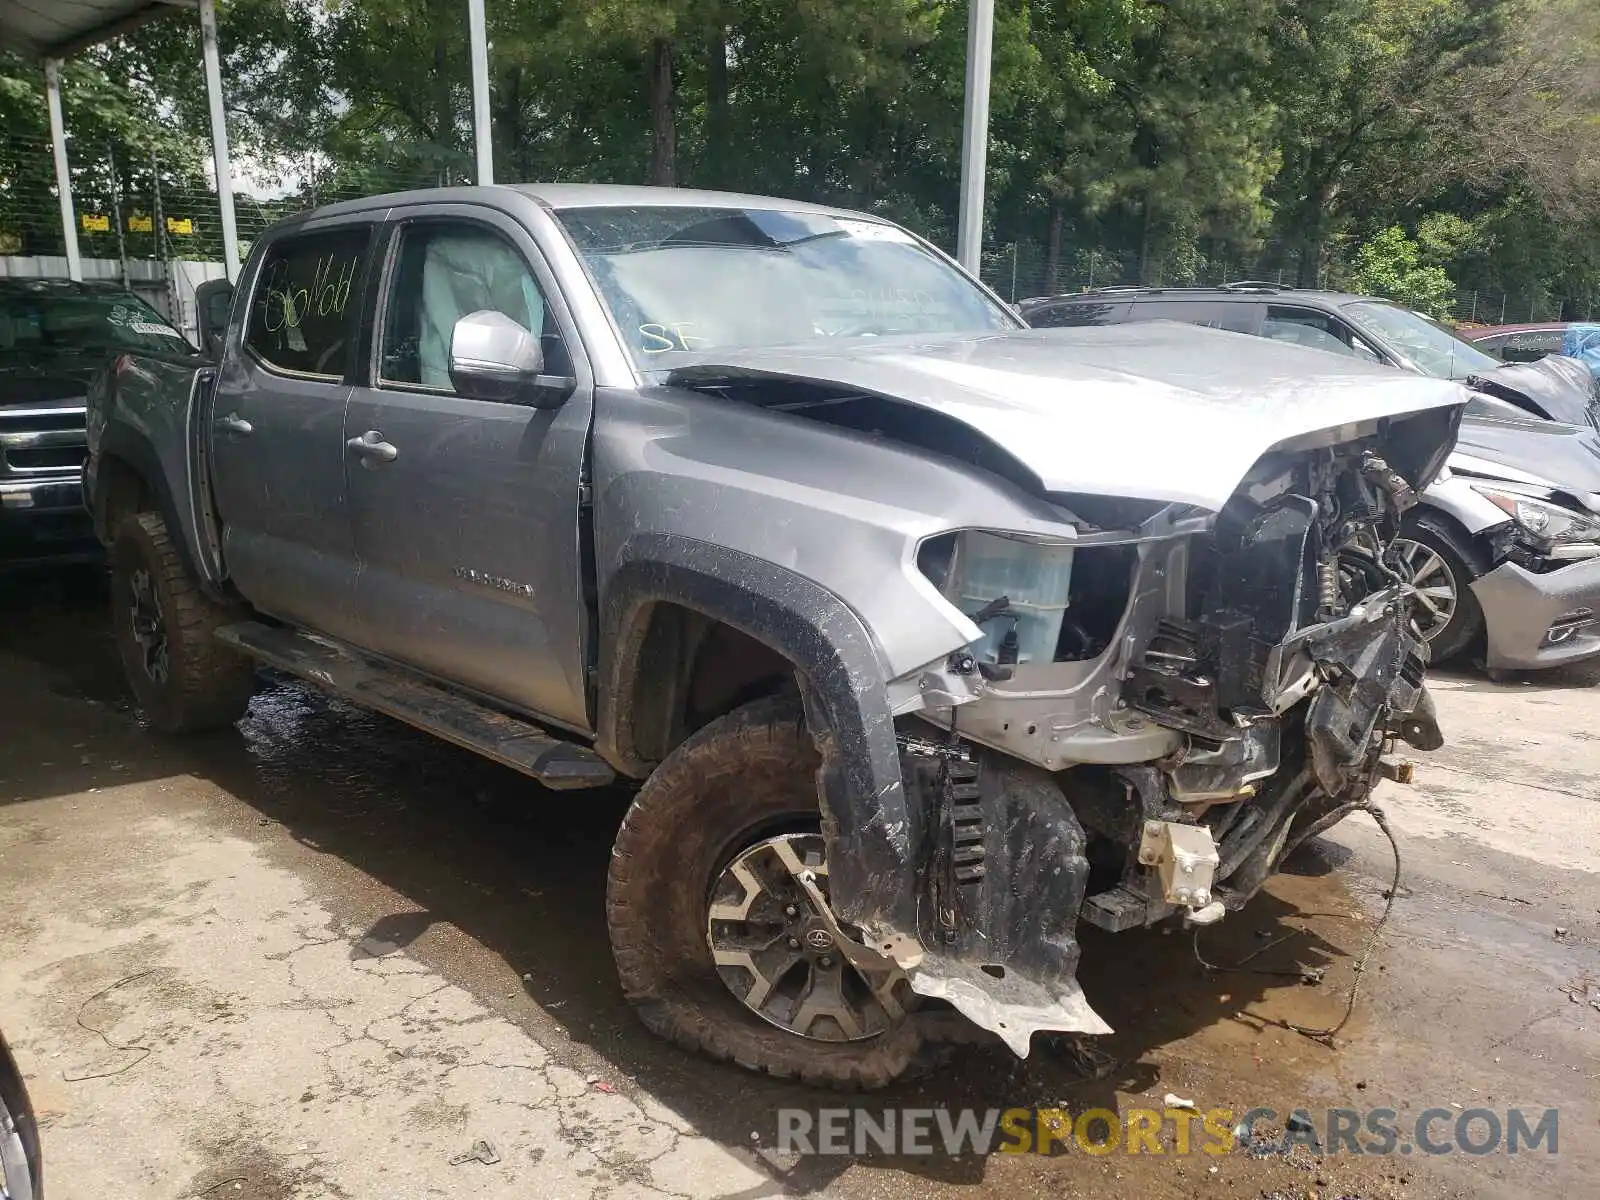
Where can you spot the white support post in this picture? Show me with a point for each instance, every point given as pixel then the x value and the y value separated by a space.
pixel 478 37
pixel 975 133
pixel 219 138
pixel 58 140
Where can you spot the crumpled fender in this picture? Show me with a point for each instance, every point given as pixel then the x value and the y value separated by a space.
pixel 1010 963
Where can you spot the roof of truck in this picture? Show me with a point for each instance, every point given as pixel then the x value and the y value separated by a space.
pixel 560 196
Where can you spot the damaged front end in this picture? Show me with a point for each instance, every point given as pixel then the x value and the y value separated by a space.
pixel 1157 708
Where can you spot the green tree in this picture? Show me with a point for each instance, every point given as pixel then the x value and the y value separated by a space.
pixel 1392 265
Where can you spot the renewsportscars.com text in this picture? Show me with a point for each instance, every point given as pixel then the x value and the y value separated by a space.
pixel 1173 1131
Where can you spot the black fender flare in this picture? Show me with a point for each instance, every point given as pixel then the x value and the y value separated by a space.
pixel 120 441
pixel 863 798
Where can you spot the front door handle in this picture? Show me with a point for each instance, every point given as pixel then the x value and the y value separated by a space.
pixel 234 423
pixel 371 449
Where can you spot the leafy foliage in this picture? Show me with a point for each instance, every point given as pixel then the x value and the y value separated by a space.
pixel 1403 146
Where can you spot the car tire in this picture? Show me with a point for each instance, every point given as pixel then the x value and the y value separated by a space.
pixel 1460 559
pixel 183 678
pixel 736 781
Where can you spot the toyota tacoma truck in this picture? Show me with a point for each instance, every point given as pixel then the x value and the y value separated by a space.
pixel 924 636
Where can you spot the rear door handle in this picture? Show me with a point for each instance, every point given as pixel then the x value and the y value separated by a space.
pixel 371 449
pixel 234 423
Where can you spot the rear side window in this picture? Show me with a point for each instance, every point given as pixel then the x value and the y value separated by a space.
pixel 1240 316
pixel 308 292
pixel 1078 312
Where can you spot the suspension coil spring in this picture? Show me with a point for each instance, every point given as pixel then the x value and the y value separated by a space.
pixel 1328 584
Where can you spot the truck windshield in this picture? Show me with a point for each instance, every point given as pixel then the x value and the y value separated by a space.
pixel 46 324
pixel 683 280
pixel 1430 347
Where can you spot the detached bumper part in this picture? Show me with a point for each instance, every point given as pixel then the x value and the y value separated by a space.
pixel 1540 620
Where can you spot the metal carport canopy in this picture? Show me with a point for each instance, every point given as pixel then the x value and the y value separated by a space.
pixel 54 29
pixel 61 28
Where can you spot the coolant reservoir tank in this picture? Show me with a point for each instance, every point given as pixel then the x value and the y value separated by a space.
pixel 1034 575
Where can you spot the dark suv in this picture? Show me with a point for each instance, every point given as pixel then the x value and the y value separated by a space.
pixel 54 336
pixel 1364 327
pixel 1359 326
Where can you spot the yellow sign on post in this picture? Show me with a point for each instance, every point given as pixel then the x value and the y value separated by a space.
pixel 141 224
pixel 95 222
pixel 180 225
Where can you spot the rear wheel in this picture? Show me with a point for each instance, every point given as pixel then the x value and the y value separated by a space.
pixel 183 678
pixel 1442 565
pixel 712 905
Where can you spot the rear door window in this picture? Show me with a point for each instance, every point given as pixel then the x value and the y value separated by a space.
pixel 1239 316
pixel 302 313
pixel 1316 330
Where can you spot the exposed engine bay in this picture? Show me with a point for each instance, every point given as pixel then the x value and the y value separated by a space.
pixel 1195 695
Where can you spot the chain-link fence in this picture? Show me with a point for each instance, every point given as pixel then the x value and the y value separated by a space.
pixel 1020 270
pixel 148 208
pixel 1473 307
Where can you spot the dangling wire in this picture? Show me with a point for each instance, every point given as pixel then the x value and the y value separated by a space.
pixel 1325 822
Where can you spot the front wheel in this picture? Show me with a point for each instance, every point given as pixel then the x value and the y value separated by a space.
pixel 711 908
pixel 1442 565
pixel 183 678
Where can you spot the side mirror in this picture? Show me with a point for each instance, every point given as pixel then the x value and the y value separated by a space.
pixel 212 301
pixel 1364 351
pixel 492 357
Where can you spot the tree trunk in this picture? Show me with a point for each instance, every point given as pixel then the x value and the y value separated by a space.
pixel 718 116
pixel 1314 241
pixel 508 123
pixel 1052 248
pixel 663 116
pixel 1146 240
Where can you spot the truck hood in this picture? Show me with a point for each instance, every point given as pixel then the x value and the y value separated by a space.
pixel 1150 411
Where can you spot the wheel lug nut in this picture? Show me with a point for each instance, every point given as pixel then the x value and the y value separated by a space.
pixel 794 943
pixel 825 962
pixel 789 910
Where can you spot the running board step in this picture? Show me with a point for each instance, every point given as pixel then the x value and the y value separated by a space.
pixel 520 745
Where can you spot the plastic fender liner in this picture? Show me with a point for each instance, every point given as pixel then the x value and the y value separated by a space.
pixel 1003 866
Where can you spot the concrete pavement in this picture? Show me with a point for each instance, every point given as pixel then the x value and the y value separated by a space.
pixel 323 956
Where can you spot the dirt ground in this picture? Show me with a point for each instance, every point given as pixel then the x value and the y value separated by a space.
pixel 323 955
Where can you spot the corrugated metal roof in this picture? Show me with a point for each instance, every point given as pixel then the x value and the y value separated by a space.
pixel 58 28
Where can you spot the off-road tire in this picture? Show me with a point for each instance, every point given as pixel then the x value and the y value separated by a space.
pixel 207 685
pixel 1465 630
pixel 752 770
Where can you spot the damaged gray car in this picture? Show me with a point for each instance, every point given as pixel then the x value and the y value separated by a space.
pixel 925 636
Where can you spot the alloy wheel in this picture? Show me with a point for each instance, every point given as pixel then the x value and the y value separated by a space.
pixel 780 954
pixel 149 626
pixel 1438 591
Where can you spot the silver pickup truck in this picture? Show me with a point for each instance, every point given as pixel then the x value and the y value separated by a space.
pixel 924 636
